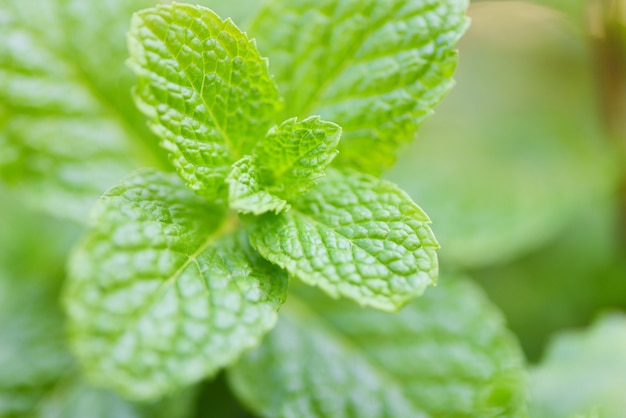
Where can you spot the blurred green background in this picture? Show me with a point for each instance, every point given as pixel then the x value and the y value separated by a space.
pixel 522 167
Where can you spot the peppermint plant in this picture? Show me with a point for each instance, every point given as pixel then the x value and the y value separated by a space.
pixel 268 246
pixel 180 274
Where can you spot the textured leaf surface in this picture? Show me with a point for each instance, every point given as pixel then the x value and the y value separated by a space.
pixel 355 236
pixel 502 175
pixel 374 67
pixel 246 195
pixel 205 88
pixel 38 377
pixel 447 354
pixel 583 372
pixel 293 154
pixel 160 293
pixel 68 127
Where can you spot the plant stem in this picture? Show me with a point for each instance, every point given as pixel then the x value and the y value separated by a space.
pixel 609 41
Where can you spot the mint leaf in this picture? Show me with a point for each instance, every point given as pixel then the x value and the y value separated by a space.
pixel 161 293
pixel 583 372
pixel 33 355
pixel 375 68
pixel 447 354
pixel 513 170
pixel 246 195
pixel 74 398
pixel 356 236
pixel 294 154
pixel 285 164
pixel 205 88
pixel 68 128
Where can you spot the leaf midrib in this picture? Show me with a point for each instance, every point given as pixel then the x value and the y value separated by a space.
pixel 228 226
pixel 234 152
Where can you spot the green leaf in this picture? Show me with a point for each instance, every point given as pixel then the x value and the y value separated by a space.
pixel 354 236
pixel 294 154
pixel 39 378
pixel 583 372
pixel 375 67
pixel 68 127
pixel 246 195
pixel 74 398
pixel 161 293
pixel 205 88
pixel 504 174
pixel 446 355
pixel 33 355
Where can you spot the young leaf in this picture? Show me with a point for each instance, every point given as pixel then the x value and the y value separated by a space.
pixel 583 371
pixel 161 293
pixel 246 195
pixel 68 127
pixel 356 236
pixel 375 68
pixel 205 88
pixel 446 355
pixel 294 154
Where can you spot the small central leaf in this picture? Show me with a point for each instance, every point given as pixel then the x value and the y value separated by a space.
pixel 293 154
pixel 246 194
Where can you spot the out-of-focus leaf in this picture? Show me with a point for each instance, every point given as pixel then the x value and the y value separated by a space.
pixel 38 377
pixel 33 355
pixel 516 148
pixel 68 127
pixel 446 354
pixel 583 372
pixel 73 397
pixel 566 282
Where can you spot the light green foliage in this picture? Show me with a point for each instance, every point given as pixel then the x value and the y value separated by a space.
pixel 354 236
pixel 446 354
pixel 286 163
pixel 33 355
pixel 74 398
pixel 38 377
pixel 513 169
pixel 246 195
pixel 161 293
pixel 68 129
pixel 583 372
pixel 205 88
pixel 294 154
pixel 374 67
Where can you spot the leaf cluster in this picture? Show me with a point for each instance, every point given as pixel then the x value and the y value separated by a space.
pixel 253 257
